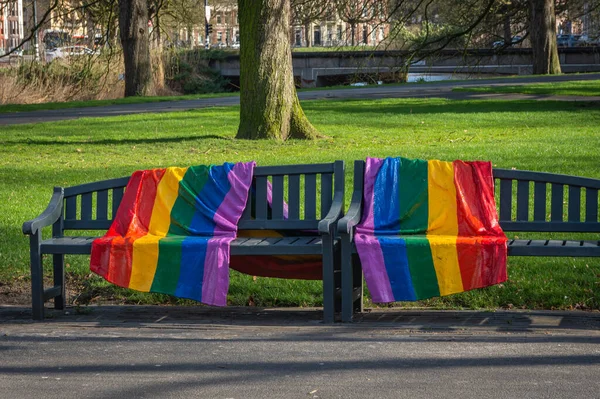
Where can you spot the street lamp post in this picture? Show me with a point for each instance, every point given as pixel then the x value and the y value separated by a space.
pixel 206 21
pixel 36 45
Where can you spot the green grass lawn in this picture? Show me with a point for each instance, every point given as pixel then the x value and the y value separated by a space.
pixel 576 88
pixel 559 137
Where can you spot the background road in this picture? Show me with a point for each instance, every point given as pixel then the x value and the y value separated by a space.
pixel 170 352
pixel 424 90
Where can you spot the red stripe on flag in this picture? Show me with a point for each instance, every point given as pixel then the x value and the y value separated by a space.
pixel 480 238
pixel 122 250
pixel 101 252
pixel 140 213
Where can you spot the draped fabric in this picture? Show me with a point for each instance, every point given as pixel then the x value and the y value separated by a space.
pixel 429 228
pixel 173 230
pixel 303 267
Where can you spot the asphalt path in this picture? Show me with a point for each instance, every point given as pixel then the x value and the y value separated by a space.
pixel 183 352
pixel 419 90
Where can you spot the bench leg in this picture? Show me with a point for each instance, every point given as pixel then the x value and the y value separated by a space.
pixel 59 280
pixel 357 286
pixel 337 273
pixel 328 280
pixel 37 277
pixel 347 279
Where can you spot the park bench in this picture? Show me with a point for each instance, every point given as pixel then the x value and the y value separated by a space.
pixel 522 199
pixel 317 190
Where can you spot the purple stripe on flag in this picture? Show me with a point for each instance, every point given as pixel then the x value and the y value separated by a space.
pixel 367 245
pixel 216 263
pixel 370 253
pixel 372 167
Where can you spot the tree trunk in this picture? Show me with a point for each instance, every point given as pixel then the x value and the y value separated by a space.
pixel 353 31
pixel 307 34
pixel 542 28
pixel 269 106
pixel 507 30
pixel 133 25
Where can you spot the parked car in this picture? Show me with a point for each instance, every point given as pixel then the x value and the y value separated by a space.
pixel 501 43
pixel 235 45
pixel 67 52
pixel 586 40
pixel 567 40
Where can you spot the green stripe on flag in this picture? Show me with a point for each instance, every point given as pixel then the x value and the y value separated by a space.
pixel 185 205
pixel 413 192
pixel 168 265
pixel 422 270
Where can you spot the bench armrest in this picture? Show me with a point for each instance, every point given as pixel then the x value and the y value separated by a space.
pixel 327 225
pixel 352 218
pixel 49 216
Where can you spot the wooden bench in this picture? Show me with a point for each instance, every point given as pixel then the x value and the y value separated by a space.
pixel 522 199
pixel 320 189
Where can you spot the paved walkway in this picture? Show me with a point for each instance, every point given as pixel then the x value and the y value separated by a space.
pixel 182 352
pixel 428 90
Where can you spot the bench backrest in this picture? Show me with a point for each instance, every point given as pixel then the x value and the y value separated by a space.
pixel 93 206
pixel 545 202
pixel 526 204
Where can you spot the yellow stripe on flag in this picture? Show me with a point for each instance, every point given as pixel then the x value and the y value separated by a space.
pixel 145 249
pixel 166 194
pixel 145 257
pixel 443 226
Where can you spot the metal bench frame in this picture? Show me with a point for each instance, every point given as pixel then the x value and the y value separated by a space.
pixel 71 208
pixel 526 217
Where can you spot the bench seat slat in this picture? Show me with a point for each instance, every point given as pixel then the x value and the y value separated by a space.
pixel 557 227
pixel 67 245
pixel 554 248
pixel 240 246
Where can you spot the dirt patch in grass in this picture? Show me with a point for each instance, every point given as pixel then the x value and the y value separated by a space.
pixel 16 293
pixel 79 292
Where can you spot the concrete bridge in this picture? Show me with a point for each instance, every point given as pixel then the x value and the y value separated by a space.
pixel 318 68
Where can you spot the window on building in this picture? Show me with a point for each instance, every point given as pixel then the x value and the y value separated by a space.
pixel 219 18
pixel 365 34
pixel 329 35
pixel 317 35
pixel 219 36
pixel 298 37
pixel 339 33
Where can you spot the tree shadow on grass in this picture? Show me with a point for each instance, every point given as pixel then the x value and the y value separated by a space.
pixel 356 106
pixel 157 140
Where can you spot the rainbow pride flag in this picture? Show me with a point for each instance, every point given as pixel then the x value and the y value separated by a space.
pixel 172 231
pixel 429 228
